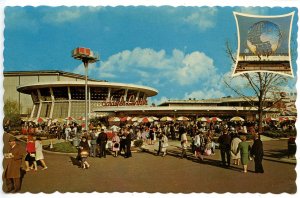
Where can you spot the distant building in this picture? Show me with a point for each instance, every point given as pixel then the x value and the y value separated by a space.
pixel 59 94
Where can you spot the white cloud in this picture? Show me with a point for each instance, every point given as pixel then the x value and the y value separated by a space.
pixel 158 101
pixel 61 17
pixel 66 14
pixel 205 94
pixel 161 70
pixel 179 68
pixel 21 19
pixel 204 18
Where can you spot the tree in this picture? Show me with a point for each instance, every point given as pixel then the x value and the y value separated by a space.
pixel 258 88
pixel 11 113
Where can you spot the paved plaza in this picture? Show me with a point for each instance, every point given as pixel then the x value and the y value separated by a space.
pixel 145 172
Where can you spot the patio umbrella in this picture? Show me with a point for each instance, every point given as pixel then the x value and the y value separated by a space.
pixel 126 118
pixel 114 119
pixel 58 120
pixel 203 119
pixel 145 119
pixel 182 118
pixel 81 118
pixel 154 118
pixel 215 119
pixel 237 118
pixel 40 120
pixel 70 118
pixel 269 119
pixel 114 128
pixel 134 119
pixel 166 118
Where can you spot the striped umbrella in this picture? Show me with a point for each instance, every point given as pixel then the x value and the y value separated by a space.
pixel 114 119
pixel 126 118
pixel 154 118
pixel 40 120
pixel 70 118
pixel 236 118
pixel 215 119
pixel 145 119
pixel 134 119
pixel 166 118
pixel 203 119
pixel 182 118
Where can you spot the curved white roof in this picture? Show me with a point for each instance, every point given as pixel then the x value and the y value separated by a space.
pixel 27 88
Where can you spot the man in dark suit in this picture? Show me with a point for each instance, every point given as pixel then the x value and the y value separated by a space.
pixel 257 152
pixel 101 141
pixel 12 170
pixel 225 141
pixel 128 144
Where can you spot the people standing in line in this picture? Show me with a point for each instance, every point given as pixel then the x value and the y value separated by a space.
pixel 30 157
pixel 12 169
pixel 224 142
pixel 115 144
pixel 184 143
pixel 128 144
pixel 235 154
pixel 164 144
pixel 39 152
pixel 101 141
pixel 257 151
pixel 244 149
pixel 93 142
pixel 83 152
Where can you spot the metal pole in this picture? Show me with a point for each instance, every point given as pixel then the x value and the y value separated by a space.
pixel 86 94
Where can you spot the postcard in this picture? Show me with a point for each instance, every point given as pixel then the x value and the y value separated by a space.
pixel 142 99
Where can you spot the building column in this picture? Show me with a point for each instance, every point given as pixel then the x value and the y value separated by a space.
pixel 137 96
pixel 40 106
pixel 125 95
pixel 89 100
pixel 52 103
pixel 109 93
pixel 69 100
pixel 32 111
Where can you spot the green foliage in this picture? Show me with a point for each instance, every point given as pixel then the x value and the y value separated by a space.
pixel 280 134
pixel 138 143
pixel 64 147
pixel 11 113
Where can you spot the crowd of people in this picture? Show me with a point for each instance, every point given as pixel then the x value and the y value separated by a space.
pixel 198 138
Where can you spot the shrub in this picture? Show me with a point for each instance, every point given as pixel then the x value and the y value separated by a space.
pixel 64 147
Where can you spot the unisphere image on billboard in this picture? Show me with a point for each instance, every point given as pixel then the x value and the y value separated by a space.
pixel 264 44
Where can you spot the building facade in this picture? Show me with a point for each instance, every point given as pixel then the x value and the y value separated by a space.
pixel 58 94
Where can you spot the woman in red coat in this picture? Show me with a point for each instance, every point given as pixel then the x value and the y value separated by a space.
pixel 30 157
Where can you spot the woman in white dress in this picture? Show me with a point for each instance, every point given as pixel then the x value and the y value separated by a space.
pixel 39 153
pixel 236 156
pixel 116 144
pixel 164 144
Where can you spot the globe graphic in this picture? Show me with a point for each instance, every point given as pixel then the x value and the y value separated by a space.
pixel 263 38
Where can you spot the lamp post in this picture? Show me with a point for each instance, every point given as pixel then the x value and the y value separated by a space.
pixel 87 56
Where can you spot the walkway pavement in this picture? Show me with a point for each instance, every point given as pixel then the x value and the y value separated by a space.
pixel 145 172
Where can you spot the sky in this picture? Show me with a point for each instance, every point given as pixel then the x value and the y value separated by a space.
pixel 180 51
